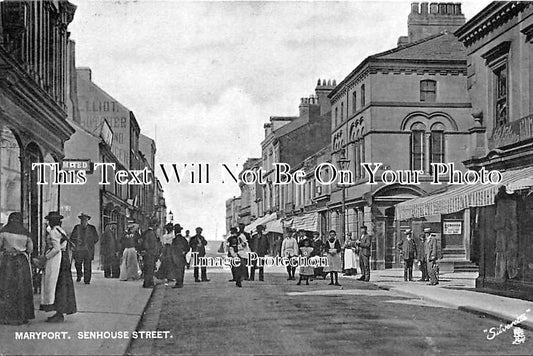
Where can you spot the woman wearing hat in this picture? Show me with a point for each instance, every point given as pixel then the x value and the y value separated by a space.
pixel 57 292
pixel 129 268
pixel 16 293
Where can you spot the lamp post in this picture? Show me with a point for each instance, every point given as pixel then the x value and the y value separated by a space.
pixel 344 164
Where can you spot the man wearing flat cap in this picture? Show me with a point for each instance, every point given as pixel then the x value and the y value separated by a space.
pixel 84 236
pixel 407 249
pixel 259 244
pixel 197 244
pixel 364 244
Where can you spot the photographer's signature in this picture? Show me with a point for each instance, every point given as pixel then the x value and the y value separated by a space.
pixel 518 333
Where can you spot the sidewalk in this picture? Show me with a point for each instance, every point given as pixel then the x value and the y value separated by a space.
pixel 456 290
pixel 106 305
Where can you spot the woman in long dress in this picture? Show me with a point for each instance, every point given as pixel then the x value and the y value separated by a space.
pixel 333 251
pixel 129 268
pixel 16 293
pixel 351 260
pixel 166 269
pixel 57 291
pixel 307 270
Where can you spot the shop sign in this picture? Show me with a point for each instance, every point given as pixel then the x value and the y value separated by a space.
pixel 71 164
pixel 452 227
pixel 512 132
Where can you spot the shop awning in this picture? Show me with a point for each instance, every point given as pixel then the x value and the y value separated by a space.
pixel 459 197
pixel 307 221
pixel 274 226
pixel 261 221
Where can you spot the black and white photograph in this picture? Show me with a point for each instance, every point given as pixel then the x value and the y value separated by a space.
pixel 280 177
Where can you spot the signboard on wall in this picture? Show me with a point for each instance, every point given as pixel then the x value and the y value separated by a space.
pixel 452 227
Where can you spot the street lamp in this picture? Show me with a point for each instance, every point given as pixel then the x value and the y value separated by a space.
pixel 171 216
pixel 344 164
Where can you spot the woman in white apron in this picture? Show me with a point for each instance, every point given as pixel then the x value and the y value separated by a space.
pixel 332 247
pixel 57 291
pixel 351 259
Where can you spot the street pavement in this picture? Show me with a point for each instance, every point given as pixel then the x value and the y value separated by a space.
pixel 105 305
pixel 386 316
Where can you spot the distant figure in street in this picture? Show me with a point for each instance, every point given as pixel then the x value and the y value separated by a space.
pixel 364 244
pixel 260 245
pixel 351 260
pixel 432 255
pixel 57 292
pixel 188 256
pixel 179 249
pixel 289 249
pixel 407 247
pixel 197 244
pixel 231 241
pixel 235 251
pixel 16 293
pixel 129 268
pixel 333 253
pixel 421 254
pixel 110 250
pixel 84 236
pixel 277 245
pixel 306 271
pixel 149 250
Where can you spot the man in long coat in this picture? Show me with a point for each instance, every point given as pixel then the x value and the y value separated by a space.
pixel 260 245
pixel 421 254
pixel 432 255
pixel 84 236
pixel 197 245
pixel 110 247
pixel 150 250
pixel 407 249
pixel 364 244
pixel 179 249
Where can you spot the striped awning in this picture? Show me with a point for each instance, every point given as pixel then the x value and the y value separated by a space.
pixel 274 226
pixel 458 197
pixel 261 221
pixel 308 221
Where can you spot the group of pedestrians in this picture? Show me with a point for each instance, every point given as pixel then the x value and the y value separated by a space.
pixel 425 250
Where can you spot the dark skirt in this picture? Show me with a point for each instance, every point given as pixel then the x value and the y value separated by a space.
pixel 16 291
pixel 65 297
pixel 168 268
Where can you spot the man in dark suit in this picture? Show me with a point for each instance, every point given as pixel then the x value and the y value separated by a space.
pixel 364 244
pixel 421 254
pixel 84 236
pixel 407 249
pixel 197 244
pixel 110 249
pixel 179 249
pixel 233 252
pixel 260 245
pixel 149 251
pixel 432 255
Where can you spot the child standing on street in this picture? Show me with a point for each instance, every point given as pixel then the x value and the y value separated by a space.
pixel 306 270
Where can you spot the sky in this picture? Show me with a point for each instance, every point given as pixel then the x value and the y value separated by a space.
pixel 203 77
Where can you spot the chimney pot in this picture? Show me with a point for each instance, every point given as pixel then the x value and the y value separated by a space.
pixel 433 8
pixel 334 83
pixel 414 8
pixel 318 83
pixel 458 9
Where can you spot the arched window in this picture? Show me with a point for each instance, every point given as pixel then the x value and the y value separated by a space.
pixel 10 185
pixel 428 90
pixel 362 96
pixel 418 146
pixel 336 115
pixel 436 147
pixel 354 101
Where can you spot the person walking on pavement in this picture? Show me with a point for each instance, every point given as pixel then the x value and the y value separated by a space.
pixel 110 251
pixel 432 255
pixel 166 256
pixel 179 249
pixel 57 292
pixel 16 293
pixel 244 236
pixel 333 253
pixel 197 245
pixel 237 266
pixel 84 236
pixel 129 267
pixel 289 249
pixel 259 244
pixel 407 249
pixel 364 243
pixel 149 249
pixel 421 254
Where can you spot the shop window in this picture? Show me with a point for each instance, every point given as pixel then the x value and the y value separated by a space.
pixel 428 90
pixel 10 183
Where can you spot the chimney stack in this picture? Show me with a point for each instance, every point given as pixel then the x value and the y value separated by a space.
pixel 84 73
pixel 323 88
pixel 446 16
